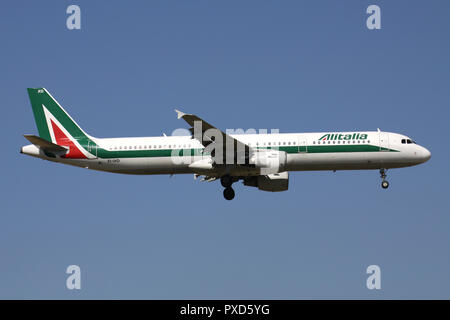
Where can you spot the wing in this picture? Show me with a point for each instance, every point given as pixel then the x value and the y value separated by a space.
pixel 224 148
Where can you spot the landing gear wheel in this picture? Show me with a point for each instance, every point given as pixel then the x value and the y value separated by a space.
pixel 228 193
pixel 384 183
pixel 226 181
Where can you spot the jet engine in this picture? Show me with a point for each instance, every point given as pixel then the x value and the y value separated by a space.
pixel 272 182
pixel 269 161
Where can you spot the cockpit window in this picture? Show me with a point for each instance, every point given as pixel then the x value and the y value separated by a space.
pixel 408 141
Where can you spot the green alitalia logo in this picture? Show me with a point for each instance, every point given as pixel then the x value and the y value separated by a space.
pixel 341 136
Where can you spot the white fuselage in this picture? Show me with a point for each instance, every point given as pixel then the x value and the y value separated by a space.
pixel 305 151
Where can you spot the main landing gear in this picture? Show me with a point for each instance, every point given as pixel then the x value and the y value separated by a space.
pixel 228 192
pixel 384 182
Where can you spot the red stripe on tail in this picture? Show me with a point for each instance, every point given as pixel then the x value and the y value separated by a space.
pixel 63 140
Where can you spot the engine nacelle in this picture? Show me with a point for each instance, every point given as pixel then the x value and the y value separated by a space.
pixel 269 161
pixel 272 182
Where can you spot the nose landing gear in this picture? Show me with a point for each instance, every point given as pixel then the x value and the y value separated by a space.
pixel 384 182
pixel 228 192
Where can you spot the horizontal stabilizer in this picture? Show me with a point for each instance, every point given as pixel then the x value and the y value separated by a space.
pixel 45 145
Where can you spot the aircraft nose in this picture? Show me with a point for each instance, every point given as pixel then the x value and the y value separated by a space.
pixel 425 154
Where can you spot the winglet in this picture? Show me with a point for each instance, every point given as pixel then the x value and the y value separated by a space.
pixel 179 114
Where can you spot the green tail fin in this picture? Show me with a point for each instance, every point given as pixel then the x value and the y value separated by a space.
pixel 47 110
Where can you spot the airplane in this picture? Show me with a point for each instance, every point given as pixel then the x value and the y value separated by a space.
pixel 259 160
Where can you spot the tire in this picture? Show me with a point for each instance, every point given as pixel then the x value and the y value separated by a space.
pixel 228 193
pixel 384 184
pixel 226 181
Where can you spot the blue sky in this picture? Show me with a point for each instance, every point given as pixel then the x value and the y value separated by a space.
pixel 297 66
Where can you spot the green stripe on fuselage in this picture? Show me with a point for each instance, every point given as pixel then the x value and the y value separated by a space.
pixel 347 148
pixel 106 154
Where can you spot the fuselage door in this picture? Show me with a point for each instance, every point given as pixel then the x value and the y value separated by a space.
pixel 92 148
pixel 384 141
pixel 302 146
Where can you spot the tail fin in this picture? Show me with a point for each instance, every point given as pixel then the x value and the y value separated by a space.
pixel 55 125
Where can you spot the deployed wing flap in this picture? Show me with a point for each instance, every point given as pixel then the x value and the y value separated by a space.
pixel 45 145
